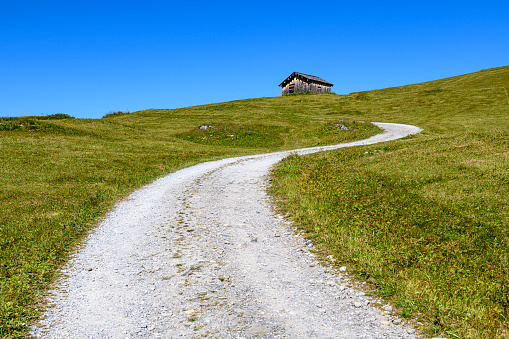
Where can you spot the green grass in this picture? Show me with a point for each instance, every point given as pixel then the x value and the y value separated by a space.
pixel 30 123
pixel 423 220
pixel 59 175
pixel 237 135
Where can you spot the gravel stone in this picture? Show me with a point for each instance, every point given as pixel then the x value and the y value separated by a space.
pixel 387 308
pixel 177 259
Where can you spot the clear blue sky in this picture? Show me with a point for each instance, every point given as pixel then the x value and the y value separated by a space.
pixel 86 58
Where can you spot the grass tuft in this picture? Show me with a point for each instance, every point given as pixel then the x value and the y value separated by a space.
pixel 433 91
pixel 308 93
pixel 112 114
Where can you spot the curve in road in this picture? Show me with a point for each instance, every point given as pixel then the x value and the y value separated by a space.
pixel 200 253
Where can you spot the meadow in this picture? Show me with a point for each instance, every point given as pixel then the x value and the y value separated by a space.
pixel 60 175
pixel 422 220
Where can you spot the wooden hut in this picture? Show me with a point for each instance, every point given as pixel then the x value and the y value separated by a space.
pixel 299 82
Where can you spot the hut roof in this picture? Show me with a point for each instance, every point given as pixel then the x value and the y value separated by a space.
pixel 305 77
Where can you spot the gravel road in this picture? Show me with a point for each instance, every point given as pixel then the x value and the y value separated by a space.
pixel 201 253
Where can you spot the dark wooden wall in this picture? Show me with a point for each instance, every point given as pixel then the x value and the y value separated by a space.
pixel 303 86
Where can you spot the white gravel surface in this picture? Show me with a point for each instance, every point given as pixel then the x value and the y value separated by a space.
pixel 200 253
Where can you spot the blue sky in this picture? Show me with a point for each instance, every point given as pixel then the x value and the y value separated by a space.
pixel 86 58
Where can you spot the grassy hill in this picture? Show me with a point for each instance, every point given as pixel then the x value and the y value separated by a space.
pixel 423 220
pixel 59 175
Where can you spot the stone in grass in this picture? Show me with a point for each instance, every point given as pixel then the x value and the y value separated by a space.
pixel 342 127
pixel 342 269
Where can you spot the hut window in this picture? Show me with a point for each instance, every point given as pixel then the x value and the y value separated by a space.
pixel 319 87
pixel 292 88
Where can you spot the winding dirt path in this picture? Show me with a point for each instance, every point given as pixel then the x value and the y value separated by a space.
pixel 200 253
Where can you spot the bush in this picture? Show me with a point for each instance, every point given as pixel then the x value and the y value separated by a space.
pixel 57 116
pixel 111 114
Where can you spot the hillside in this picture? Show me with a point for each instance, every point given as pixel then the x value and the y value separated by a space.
pixel 422 220
pixel 58 176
